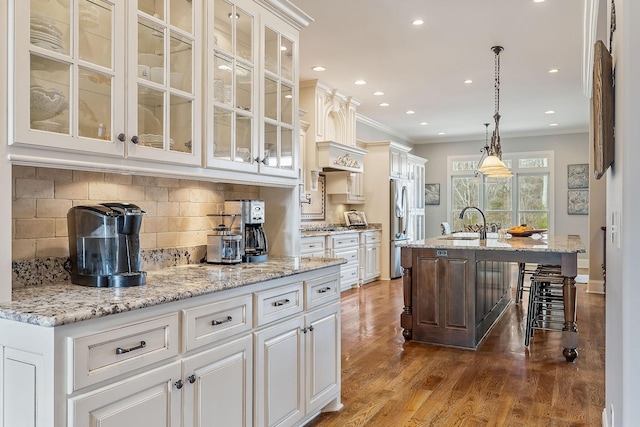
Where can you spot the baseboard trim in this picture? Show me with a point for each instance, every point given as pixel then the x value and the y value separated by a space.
pixel 595 287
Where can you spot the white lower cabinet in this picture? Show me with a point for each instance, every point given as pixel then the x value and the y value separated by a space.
pixel 346 246
pixel 370 249
pixel 260 355
pixel 149 399
pixel 297 367
pixel 218 385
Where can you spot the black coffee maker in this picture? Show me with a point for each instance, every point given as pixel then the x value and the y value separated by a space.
pixel 104 245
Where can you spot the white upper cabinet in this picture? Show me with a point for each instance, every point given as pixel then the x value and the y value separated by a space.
pixel 253 104
pixel 93 90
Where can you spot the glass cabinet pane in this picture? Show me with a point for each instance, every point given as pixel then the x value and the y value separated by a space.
pixel 49 25
pixel 271 50
pixel 150 117
pixel 181 112
pixel 222 134
pixel 244 35
pixel 244 88
pixel 152 7
pixel 286 59
pixel 151 49
pixel 94 105
pixel 286 149
pixel 222 25
pixel 270 98
pixel 244 126
pixel 49 94
pixel 95 38
pixel 223 79
pixel 271 144
pixel 181 63
pixel 181 14
pixel 286 104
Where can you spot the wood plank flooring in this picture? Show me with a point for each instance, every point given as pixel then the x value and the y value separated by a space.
pixel 389 382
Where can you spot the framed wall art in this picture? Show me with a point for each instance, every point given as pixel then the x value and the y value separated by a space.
pixel 578 202
pixel 432 194
pixel 578 176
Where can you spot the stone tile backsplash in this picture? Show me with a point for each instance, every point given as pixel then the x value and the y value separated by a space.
pixel 176 208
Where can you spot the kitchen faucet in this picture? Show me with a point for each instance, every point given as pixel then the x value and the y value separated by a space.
pixel 483 232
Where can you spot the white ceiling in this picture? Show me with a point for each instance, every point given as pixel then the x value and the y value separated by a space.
pixel 423 68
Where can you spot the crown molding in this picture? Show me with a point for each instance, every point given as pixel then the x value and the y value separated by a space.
pixel 383 128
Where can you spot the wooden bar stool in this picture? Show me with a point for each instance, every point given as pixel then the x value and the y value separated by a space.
pixel 546 301
pixel 524 269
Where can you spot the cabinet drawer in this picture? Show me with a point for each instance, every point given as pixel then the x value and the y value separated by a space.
pixel 108 353
pixel 278 303
pixel 312 245
pixel 209 323
pixel 370 238
pixel 348 276
pixel 321 290
pixel 351 255
pixel 344 240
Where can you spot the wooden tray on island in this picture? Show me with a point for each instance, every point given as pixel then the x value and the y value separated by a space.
pixel 526 233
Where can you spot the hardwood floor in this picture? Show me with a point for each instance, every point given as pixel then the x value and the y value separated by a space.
pixel 389 382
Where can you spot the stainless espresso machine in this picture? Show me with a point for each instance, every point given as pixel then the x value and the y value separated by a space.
pixel 104 245
pixel 250 227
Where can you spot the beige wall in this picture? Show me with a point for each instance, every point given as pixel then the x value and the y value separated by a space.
pixel 176 209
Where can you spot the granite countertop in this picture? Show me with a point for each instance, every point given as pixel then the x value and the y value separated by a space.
pixel 337 229
pixel 59 304
pixel 537 243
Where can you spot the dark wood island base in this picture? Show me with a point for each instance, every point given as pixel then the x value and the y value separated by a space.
pixel 454 293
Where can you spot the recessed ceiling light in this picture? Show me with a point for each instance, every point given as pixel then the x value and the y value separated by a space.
pixel 553 124
pixel 360 82
pixel 553 70
pixel 538 1
pixel 468 81
pixel 384 104
pixel 442 133
pixel 423 123
pixel 318 68
pixel 418 22
pixel 378 93
pixel 550 112
pixel 410 112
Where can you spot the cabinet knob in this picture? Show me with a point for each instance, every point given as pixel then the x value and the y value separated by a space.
pixel 179 384
pixel 122 137
pixel 191 378
pixel 134 139
pixel 263 161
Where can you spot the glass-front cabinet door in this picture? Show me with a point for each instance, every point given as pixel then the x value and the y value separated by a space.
pixel 278 146
pixel 164 110
pixel 90 89
pixel 73 93
pixel 232 51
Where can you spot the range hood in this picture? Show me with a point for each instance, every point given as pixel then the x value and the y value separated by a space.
pixel 333 156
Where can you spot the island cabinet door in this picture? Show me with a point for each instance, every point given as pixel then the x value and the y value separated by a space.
pixel 443 300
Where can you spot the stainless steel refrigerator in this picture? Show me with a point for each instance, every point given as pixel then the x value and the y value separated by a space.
pixel 399 222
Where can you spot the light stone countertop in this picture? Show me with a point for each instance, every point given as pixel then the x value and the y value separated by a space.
pixel 59 304
pixel 537 243
pixel 329 231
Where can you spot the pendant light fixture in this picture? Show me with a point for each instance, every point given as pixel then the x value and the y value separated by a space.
pixel 493 166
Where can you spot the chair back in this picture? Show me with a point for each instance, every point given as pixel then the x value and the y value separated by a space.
pixel 444 228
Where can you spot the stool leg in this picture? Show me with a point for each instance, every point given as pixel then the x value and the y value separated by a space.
pixel 530 314
pixel 520 286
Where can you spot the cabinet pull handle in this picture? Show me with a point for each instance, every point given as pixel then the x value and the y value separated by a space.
pixel 121 350
pixel 179 384
pixel 280 302
pixel 134 139
pixel 191 378
pixel 324 290
pixel 312 246
pixel 263 161
pixel 122 137
pixel 220 322
pixel 309 329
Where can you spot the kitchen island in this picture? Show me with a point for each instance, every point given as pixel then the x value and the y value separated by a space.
pixel 456 286
pixel 196 343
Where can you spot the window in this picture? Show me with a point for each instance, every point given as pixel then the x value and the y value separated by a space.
pixel 525 198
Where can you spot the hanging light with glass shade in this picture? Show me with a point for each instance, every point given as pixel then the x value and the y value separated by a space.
pixel 493 166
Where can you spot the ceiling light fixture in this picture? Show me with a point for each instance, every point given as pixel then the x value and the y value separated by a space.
pixel 550 112
pixel 553 124
pixel 423 123
pixel 418 22
pixel 360 82
pixel 378 93
pixel 318 68
pixel 410 112
pixel 384 104
pixel 442 133
pixel 468 81
pixel 493 166
pixel 553 71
